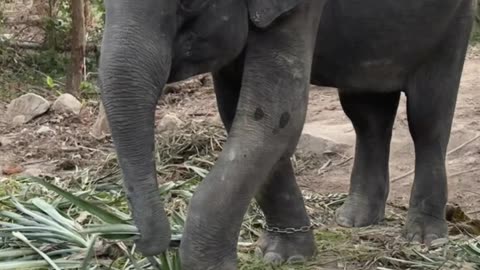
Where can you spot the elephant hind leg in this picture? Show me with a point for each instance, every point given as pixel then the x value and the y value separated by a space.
pixel 282 203
pixel 372 115
pixel 279 198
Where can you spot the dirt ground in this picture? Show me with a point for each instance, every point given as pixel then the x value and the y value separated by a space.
pixel 56 144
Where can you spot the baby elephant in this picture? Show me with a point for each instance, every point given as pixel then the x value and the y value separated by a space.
pixel 263 55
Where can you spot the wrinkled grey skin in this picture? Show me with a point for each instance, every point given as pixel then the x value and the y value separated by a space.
pixel 263 55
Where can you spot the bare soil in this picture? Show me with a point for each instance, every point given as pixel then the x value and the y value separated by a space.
pixel 68 145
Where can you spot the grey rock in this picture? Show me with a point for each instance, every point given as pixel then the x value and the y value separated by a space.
pixel 324 137
pixel 24 108
pixel 19 120
pixel 44 130
pixel 67 103
pixel 4 141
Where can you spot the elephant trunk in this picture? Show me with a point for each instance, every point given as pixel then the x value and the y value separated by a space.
pixel 134 66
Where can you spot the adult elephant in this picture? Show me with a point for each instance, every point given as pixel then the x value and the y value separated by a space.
pixel 263 55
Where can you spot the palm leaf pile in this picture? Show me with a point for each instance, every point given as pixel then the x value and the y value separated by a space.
pixel 69 232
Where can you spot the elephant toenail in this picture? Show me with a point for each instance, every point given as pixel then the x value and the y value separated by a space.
pixel 273 258
pixel 297 259
pixel 429 238
pixel 414 238
pixel 343 221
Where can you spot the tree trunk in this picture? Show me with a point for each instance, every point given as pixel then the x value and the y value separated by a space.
pixel 88 17
pixel 78 47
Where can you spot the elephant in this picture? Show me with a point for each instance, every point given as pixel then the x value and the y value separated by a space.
pixel 263 56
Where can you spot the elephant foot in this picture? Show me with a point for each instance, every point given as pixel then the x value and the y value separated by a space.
pixel 276 248
pixel 225 266
pixel 423 228
pixel 205 264
pixel 360 212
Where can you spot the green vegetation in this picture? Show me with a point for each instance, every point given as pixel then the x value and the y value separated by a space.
pixel 42 67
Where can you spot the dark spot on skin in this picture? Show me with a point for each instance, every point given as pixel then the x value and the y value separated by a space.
pixel 284 119
pixel 259 114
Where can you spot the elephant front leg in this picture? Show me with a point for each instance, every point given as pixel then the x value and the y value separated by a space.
pixel 269 118
pixel 216 210
pixel 279 198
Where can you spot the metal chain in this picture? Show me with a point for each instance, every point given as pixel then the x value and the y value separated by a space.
pixel 302 229
pixel 313 225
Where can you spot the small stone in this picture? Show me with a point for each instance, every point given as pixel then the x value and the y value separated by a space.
pixel 43 130
pixel 82 217
pixel 24 108
pixel 169 123
pixel 5 141
pixel 67 103
pixel 331 107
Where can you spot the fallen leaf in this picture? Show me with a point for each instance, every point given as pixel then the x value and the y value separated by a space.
pixel 12 169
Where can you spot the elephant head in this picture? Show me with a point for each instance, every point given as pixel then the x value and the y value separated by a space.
pixel 147 44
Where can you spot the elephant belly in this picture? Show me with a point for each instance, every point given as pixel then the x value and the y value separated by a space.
pixel 372 73
pixel 376 45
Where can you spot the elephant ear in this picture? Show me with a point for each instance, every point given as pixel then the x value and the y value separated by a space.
pixel 264 12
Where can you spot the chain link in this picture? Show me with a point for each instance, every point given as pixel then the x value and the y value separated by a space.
pixel 327 200
pixel 302 229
